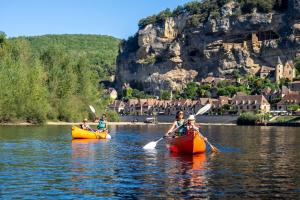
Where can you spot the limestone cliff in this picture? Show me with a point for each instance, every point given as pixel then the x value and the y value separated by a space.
pixel 169 54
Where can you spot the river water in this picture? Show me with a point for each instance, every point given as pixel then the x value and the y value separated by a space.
pixel 43 162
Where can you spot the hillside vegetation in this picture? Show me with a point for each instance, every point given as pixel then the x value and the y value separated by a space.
pixel 200 11
pixel 100 50
pixel 53 77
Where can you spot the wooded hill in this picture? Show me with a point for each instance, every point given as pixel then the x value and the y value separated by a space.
pixel 54 77
pixel 100 50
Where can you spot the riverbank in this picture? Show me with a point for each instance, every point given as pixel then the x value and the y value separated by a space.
pixel 51 123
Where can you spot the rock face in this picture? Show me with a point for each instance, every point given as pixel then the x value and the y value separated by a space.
pixel 173 53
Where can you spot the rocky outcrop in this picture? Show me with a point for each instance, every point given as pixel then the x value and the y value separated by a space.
pixel 173 53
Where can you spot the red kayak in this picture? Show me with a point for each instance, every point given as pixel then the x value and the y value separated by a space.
pixel 190 143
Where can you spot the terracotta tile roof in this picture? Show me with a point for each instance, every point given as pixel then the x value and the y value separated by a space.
pixel 290 99
pixel 249 99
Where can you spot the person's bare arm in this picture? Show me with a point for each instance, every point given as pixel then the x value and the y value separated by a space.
pixel 171 129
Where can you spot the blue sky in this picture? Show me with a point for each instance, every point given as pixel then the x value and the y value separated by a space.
pixel 118 18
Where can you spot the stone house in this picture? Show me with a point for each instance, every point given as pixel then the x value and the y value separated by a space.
pixel 250 103
pixel 266 72
pixel 287 71
pixel 117 106
pixel 289 99
pixel 113 94
pixel 130 106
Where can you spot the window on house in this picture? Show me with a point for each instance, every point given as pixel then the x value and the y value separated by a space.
pixel 241 107
pixel 254 107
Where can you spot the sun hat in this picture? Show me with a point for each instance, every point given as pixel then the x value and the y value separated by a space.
pixel 85 120
pixel 191 118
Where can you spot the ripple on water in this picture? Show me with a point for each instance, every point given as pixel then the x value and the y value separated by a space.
pixel 44 163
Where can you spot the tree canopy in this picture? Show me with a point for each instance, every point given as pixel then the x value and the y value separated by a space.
pixel 43 80
pixel 199 11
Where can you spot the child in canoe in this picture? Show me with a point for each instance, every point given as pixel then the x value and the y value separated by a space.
pixel 178 125
pixel 190 126
pixel 102 124
pixel 85 126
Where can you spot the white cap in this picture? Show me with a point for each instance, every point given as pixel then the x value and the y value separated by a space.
pixel 191 117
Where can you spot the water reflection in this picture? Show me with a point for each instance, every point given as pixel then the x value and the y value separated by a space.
pixel 187 175
pixel 255 162
pixel 85 156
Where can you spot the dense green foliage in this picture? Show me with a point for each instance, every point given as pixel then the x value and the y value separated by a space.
pixel 254 85
pixel 100 51
pixel 165 95
pixel 293 107
pixel 140 94
pixel 264 6
pixel 131 44
pixel 55 82
pixel 247 118
pixel 199 11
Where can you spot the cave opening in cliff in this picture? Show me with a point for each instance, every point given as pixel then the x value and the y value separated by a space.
pixel 240 38
pixel 267 35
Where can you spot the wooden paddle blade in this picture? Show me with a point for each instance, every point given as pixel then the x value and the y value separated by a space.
pixel 92 109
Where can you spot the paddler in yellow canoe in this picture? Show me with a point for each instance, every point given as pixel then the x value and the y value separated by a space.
pixel 85 126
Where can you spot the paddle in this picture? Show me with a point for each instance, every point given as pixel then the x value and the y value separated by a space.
pixel 152 145
pixel 213 148
pixel 93 110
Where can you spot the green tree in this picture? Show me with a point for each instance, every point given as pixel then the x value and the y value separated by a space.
pixel 127 93
pixel 165 95
pixel 293 107
pixel 191 90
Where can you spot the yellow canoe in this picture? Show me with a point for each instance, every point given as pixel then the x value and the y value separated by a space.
pixel 78 133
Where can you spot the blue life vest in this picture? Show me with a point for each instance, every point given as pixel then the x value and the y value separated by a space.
pixel 101 124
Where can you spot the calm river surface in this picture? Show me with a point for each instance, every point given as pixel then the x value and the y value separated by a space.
pixel 43 162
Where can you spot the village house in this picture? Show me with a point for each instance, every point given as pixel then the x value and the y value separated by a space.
pixel 289 99
pixel 113 94
pixel 266 72
pixel 130 107
pixel 287 71
pixel 271 94
pixel 117 106
pixel 241 102
pixel 245 103
pixel 280 71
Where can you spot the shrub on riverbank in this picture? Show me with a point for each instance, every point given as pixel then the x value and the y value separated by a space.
pixel 247 118
pixel 113 116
